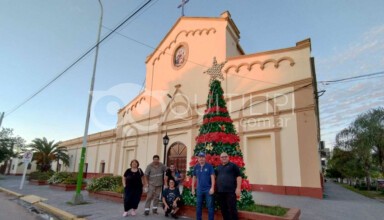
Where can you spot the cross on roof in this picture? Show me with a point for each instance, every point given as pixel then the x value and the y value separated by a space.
pixel 215 70
pixel 183 2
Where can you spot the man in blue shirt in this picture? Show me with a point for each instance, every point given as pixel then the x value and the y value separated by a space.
pixel 205 175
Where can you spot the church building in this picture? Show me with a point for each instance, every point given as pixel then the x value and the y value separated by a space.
pixel 270 95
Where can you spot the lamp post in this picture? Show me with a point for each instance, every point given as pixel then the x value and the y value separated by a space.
pixel 78 198
pixel 165 142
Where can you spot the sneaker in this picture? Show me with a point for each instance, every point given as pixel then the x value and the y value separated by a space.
pixel 146 212
pixel 133 213
pixel 154 211
pixel 125 214
pixel 174 216
pixel 166 214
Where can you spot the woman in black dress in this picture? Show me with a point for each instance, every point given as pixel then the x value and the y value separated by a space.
pixel 133 180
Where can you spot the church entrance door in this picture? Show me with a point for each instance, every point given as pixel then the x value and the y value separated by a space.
pixel 177 155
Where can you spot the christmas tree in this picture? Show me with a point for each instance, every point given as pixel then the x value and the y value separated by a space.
pixel 216 135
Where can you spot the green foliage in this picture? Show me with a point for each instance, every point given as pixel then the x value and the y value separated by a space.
pixel 373 194
pixel 188 198
pixel 245 201
pixel 119 189
pixel 71 180
pixel 63 177
pixel 105 183
pixel 217 134
pixel 44 152
pixel 38 175
pixel 9 144
pixel 332 172
pixel 59 177
pixel 270 210
pixel 359 150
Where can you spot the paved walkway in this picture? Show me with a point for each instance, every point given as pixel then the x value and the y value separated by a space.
pixel 340 203
pixel 96 209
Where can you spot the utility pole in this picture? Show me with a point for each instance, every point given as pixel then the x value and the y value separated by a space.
pixel 1 118
pixel 78 198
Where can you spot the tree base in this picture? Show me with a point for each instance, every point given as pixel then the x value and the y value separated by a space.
pixel 77 199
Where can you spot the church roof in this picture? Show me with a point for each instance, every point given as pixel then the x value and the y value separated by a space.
pixel 225 16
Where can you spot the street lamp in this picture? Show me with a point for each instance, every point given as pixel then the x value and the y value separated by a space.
pixel 78 198
pixel 165 142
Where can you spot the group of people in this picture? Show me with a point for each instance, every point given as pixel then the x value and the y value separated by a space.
pixel 152 181
pixel 158 179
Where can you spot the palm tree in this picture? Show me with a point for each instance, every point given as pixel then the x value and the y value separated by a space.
pixel 45 152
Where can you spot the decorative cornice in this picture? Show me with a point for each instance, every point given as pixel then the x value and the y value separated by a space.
pixel 134 105
pixel 250 65
pixel 92 138
pixel 138 98
pixel 186 34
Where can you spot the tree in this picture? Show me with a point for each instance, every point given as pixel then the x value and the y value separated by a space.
pixel 344 164
pixel 364 138
pixel 373 122
pixel 218 134
pixel 45 152
pixel 10 145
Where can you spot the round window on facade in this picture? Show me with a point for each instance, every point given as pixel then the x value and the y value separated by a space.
pixel 180 56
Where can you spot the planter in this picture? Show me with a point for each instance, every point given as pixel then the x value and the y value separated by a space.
pixel 38 182
pixel 66 187
pixel 111 196
pixel 107 195
pixel 292 214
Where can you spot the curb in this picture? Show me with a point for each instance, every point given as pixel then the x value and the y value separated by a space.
pixel 37 201
pixel 18 195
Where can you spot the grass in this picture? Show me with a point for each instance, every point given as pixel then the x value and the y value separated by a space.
pixel 369 194
pixel 270 210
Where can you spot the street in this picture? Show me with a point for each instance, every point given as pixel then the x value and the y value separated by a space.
pixel 10 210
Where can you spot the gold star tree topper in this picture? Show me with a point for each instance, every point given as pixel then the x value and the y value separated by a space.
pixel 215 70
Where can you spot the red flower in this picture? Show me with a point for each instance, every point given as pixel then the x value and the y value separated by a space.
pixel 217 119
pixel 237 160
pixel 188 182
pixel 216 109
pixel 245 185
pixel 218 137
pixel 213 159
pixel 193 161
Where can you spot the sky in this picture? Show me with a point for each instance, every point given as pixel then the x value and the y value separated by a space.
pixel 39 39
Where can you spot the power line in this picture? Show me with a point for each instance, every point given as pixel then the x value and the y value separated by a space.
pixel 297 89
pixel 124 23
pixel 351 78
pixel 188 60
pixel 76 61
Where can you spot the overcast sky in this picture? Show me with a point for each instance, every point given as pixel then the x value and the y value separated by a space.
pixel 40 39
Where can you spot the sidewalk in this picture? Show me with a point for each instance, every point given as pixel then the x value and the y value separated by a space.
pixel 96 209
pixel 339 204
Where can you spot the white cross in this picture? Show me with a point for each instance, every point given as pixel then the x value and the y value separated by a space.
pixel 183 2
